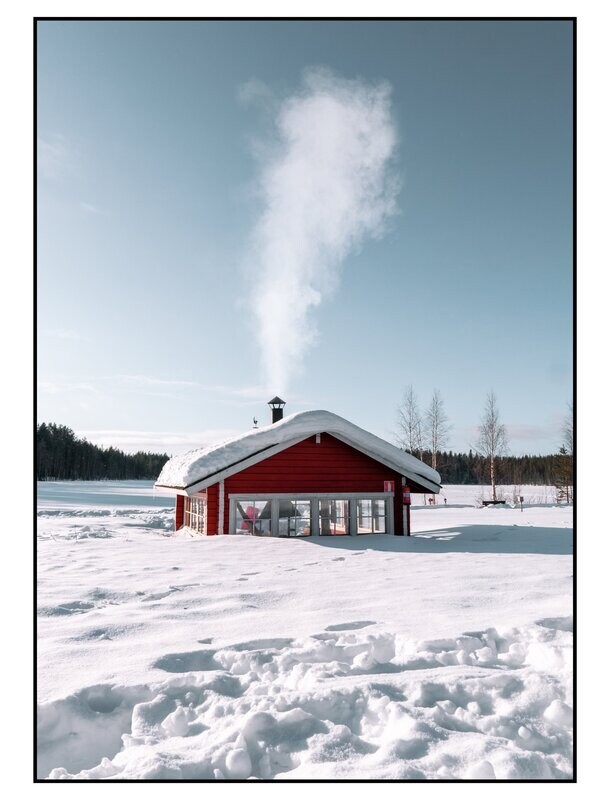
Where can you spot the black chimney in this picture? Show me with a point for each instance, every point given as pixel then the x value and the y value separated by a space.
pixel 277 409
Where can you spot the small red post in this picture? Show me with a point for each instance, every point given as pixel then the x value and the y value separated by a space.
pixel 179 511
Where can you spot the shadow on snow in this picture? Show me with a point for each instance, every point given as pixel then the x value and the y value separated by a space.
pixel 460 539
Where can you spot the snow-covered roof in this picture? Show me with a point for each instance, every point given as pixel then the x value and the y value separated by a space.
pixel 196 468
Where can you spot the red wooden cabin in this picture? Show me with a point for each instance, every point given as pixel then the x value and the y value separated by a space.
pixel 309 474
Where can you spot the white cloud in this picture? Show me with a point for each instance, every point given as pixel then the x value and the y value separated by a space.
pixel 157 441
pixel 147 380
pixel 519 431
pixel 256 92
pixel 54 157
pixel 90 208
pixel 522 438
pixel 246 393
pixel 49 387
pixel 61 333
pixel 252 393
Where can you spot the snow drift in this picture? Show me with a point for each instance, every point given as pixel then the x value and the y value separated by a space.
pixel 444 655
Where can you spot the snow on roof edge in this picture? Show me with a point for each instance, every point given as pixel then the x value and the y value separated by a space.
pixel 196 465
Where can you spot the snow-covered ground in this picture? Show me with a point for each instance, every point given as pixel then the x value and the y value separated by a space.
pixel 443 655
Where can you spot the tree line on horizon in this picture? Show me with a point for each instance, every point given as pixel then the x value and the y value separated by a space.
pixel 473 468
pixel 425 434
pixel 62 456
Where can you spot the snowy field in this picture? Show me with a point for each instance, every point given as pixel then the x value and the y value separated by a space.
pixel 443 655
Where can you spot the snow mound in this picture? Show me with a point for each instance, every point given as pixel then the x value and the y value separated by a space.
pixel 189 468
pixel 116 521
pixel 295 708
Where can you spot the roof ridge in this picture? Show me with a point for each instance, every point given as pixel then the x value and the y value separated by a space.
pixel 190 468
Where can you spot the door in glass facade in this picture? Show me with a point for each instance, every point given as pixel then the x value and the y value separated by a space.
pixel 334 517
pixel 370 515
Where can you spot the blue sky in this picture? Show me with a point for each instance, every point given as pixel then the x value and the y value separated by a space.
pixel 147 196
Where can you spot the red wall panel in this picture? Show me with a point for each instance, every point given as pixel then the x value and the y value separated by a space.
pixel 212 516
pixel 179 511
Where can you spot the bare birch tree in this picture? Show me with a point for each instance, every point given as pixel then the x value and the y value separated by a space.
pixel 564 467
pixel 410 423
pixel 437 426
pixel 492 438
pixel 567 430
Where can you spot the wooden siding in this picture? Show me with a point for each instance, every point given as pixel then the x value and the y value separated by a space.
pixel 330 466
pixel 179 511
pixel 212 518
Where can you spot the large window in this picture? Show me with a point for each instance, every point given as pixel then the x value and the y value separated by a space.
pixel 300 515
pixel 253 516
pixel 195 509
pixel 294 517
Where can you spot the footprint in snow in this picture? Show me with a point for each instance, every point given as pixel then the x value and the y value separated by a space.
pixel 195 661
pixel 163 595
pixel 557 623
pixel 76 607
pixel 351 626
pixel 261 644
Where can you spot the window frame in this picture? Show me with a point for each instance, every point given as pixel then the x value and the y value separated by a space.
pixel 314 497
pixel 195 511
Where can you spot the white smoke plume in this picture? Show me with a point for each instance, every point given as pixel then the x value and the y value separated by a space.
pixel 326 184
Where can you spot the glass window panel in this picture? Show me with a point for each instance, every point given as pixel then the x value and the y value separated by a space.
pixel 253 516
pixel 245 514
pixel 379 524
pixel 240 517
pixel 286 518
pixel 365 507
pixel 195 513
pixel 262 517
pixel 325 517
pixel 379 508
pixel 302 518
pixel 378 516
pixel 294 517
pixel 371 516
pixel 334 517
pixel 363 515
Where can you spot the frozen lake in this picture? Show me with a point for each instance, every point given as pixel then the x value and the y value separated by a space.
pixel 81 494
pixel 78 494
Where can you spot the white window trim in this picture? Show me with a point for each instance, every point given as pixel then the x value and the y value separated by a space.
pixel 221 507
pixel 195 511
